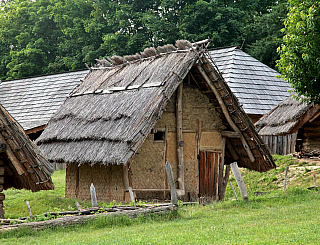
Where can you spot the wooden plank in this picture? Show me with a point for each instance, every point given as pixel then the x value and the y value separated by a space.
pixel 230 134
pixel 1 180
pixel 293 142
pixel 221 167
pixel 240 182
pixel 226 113
pixel 1 188
pixel 180 137
pixel 173 191
pixel 285 144
pixel 2 196
pixel 1 170
pixel 15 162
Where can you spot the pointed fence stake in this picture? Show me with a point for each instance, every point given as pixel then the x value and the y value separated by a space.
pixel 173 191
pixel 29 210
pixel 285 178
pixel 93 196
pixel 240 182
pixel 78 206
pixel 131 195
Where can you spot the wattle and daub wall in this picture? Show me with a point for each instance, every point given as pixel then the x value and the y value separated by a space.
pixel 147 169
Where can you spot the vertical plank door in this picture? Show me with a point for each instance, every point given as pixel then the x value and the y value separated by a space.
pixel 208 173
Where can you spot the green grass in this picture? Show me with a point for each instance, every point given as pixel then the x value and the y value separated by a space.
pixel 288 219
pixel 275 218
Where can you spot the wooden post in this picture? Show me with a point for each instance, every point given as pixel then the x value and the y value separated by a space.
pixel 314 178
pixel 126 183
pixel 29 210
pixel 238 177
pixel 285 178
pixel 221 168
pixel 173 191
pixel 234 192
pixel 93 196
pixel 225 182
pixel 131 195
pixel 180 142
pixel 2 197
pixel 78 206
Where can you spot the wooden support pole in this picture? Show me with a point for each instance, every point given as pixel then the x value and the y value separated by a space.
pixel 314 178
pixel 131 195
pixel 225 182
pixel 29 210
pixel 240 182
pixel 94 201
pixel 226 113
pixel 173 191
pixel 78 205
pixel 234 192
pixel 285 178
pixel 180 142
pixel 221 168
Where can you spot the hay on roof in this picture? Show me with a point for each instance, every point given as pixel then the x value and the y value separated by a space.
pixel 25 166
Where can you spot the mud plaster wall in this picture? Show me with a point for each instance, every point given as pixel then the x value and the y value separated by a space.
pixel 107 180
pixel 147 168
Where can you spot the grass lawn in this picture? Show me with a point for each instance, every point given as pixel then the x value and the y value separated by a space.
pixel 276 218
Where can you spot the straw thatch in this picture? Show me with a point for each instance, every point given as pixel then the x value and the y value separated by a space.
pixel 111 113
pixel 24 164
pixel 286 118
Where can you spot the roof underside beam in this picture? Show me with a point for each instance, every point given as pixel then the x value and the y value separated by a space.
pixel 226 112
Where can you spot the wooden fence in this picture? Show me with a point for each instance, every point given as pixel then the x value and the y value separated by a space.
pixel 280 144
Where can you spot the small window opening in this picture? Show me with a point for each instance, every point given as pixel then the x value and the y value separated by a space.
pixel 158 136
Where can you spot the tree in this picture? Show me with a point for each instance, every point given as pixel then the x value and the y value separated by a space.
pixel 264 34
pixel 300 53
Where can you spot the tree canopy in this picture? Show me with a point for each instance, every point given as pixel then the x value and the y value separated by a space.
pixel 300 52
pixel 48 36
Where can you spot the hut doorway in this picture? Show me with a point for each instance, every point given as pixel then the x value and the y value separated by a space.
pixel 208 173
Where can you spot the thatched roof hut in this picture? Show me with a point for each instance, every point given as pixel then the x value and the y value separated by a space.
pixel 21 162
pixel 287 125
pixel 115 109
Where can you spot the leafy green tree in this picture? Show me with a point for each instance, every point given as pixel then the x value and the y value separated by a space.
pixel 300 54
pixel 264 34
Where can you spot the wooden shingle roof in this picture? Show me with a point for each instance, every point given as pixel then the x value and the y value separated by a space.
pixel 253 83
pixel 32 101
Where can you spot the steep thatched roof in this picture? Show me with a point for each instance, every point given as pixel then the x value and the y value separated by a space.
pixel 286 118
pixel 108 117
pixel 25 166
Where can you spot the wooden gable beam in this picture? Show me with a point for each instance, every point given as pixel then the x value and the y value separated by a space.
pixel 230 134
pixel 226 112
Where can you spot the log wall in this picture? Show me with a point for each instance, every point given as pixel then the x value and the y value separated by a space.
pixel 311 136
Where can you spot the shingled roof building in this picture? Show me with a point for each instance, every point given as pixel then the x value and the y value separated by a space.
pixel 291 126
pixel 121 125
pixel 256 85
pixel 32 101
pixel 22 165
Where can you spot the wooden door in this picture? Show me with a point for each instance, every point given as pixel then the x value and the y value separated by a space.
pixel 208 173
